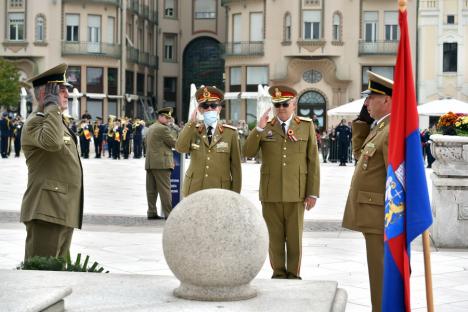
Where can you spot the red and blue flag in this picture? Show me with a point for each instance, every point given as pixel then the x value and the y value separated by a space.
pixel 407 208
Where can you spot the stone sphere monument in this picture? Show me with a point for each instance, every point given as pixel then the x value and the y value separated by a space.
pixel 215 242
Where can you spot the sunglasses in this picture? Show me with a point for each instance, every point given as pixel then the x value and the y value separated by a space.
pixel 206 105
pixel 278 105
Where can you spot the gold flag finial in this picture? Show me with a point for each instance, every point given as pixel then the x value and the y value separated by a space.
pixel 402 5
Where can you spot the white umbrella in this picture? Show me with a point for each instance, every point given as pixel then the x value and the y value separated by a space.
pixel 440 107
pixel 349 109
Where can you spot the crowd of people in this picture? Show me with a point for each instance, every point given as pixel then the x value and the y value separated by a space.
pixel 10 134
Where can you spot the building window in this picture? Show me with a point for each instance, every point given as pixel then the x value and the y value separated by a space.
pixel 336 27
pixel 391 26
pixel 312 20
pixel 74 76
pixel 112 81
pixel 287 27
pixel 370 26
pixel 40 28
pixel 386 71
pixel 111 29
pixel 140 84
pixel 313 103
pixel 256 26
pixel 94 80
pixel 170 8
pixel 16 26
pixel 170 90
pixel 450 57
pixel 450 19
pixel 129 82
pixel 170 47
pixel 235 79
pixel 94 33
pixel 256 75
pixel 149 88
pixel 73 26
pixel 205 9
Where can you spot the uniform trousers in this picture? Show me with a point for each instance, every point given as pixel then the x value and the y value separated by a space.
pixel 158 181
pixel 47 239
pixel 375 265
pixel 285 222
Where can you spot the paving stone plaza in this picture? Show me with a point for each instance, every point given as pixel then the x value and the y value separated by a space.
pixel 117 235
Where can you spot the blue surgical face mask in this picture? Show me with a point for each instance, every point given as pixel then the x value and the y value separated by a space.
pixel 210 117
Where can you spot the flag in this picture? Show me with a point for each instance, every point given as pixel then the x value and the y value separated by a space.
pixel 407 207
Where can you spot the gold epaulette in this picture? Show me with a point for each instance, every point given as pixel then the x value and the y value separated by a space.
pixel 229 126
pixel 304 118
pixel 272 121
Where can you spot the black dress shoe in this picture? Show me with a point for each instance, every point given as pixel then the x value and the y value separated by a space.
pixel 155 218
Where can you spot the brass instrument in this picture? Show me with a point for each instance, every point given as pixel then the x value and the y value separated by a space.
pixel 110 126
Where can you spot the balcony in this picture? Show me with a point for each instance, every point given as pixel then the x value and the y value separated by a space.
pixel 224 2
pixel 143 58
pixel 429 4
pixel 91 48
pixel 146 11
pixel 153 16
pixel 249 48
pixel 114 2
pixel 133 6
pixel 153 62
pixel 379 47
pixel 132 55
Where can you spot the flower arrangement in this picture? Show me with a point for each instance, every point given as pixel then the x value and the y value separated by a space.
pixel 453 124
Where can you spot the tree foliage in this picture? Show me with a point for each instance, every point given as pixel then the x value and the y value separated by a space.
pixel 9 84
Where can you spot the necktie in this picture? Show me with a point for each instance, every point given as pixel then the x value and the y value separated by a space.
pixel 209 134
pixel 283 126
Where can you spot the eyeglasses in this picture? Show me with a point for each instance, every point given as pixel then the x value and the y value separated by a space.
pixel 206 105
pixel 278 105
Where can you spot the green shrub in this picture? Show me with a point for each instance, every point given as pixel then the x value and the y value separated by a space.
pixel 60 264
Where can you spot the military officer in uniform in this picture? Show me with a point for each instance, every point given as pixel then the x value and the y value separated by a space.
pixel 364 210
pixel 98 135
pixel 214 147
pixel 85 133
pixel 159 164
pixel 290 178
pixel 53 202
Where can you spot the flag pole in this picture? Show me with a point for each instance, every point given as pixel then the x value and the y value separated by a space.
pixel 427 271
pixel 402 4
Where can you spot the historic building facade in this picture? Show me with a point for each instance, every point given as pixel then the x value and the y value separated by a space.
pixel 320 48
pixel 443 53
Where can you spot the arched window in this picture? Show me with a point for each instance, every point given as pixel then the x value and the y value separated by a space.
pixel 337 26
pixel 287 28
pixel 313 103
pixel 40 28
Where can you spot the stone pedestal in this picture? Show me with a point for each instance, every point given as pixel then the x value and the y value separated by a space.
pixel 450 191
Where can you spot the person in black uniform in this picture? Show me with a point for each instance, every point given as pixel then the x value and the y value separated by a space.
pixel 4 134
pixel 343 135
pixel 17 128
pixel 84 132
pixel 126 137
pixel 98 134
pixel 117 130
pixel 138 127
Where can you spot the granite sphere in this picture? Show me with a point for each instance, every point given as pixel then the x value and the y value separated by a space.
pixel 215 242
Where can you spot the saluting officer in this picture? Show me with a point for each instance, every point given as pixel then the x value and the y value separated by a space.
pixel 364 210
pixel 159 164
pixel 214 147
pixel 290 178
pixel 53 202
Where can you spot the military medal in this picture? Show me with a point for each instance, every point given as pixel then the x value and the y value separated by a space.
pixel 270 134
pixel 291 135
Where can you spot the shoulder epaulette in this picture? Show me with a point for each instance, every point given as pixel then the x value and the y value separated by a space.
pixel 272 121
pixel 304 118
pixel 229 126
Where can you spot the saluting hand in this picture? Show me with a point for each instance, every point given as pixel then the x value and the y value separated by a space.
pixel 264 119
pixel 51 94
pixel 309 202
pixel 193 117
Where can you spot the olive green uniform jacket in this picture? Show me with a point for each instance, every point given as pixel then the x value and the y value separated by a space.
pixel 290 168
pixel 364 210
pixel 55 177
pixel 215 165
pixel 159 143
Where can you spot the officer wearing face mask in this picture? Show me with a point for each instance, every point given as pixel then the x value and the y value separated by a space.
pixel 213 146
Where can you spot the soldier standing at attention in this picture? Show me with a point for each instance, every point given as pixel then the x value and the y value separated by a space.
pixel 159 164
pixel 127 130
pixel 290 178
pixel 214 147
pixel 53 202
pixel 138 127
pixel 84 132
pixel 364 210
pixel 98 135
